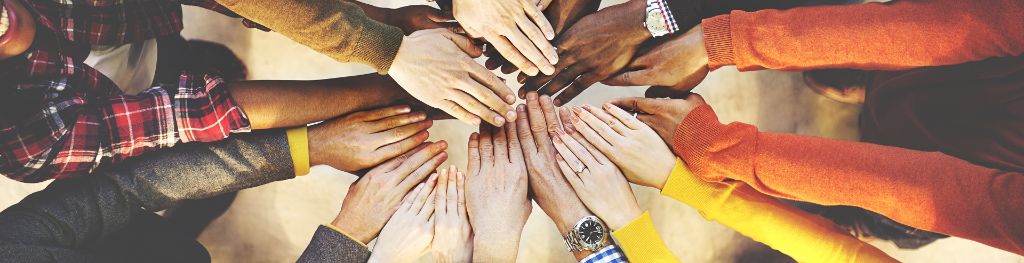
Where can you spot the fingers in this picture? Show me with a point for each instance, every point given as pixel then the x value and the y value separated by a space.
pixel 625 117
pixel 410 199
pixel 562 80
pixel 421 164
pixel 459 112
pixel 565 118
pixel 470 103
pixel 500 145
pixel 463 43
pixel 486 146
pixel 377 114
pixel 499 97
pixel 442 189
pixel 515 151
pixel 394 162
pixel 575 164
pixel 524 133
pixel 639 77
pixel 578 86
pixel 601 127
pixel 401 147
pixel 639 104
pixel 513 56
pixel 451 194
pixel 538 125
pixel 666 92
pixel 473 164
pixel 530 49
pixel 461 188
pixel 570 175
pixel 400 133
pixel 550 114
pixel 597 153
pixel 539 39
pixel 591 136
pixel 397 120
pixel 424 200
pixel 576 148
pixel 437 15
pixel 608 120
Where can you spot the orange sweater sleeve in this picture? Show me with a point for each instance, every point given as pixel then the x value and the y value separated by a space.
pixel 927 190
pixel 896 35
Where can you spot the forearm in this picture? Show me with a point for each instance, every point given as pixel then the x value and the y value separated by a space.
pixel 876 36
pixel 373 12
pixel 950 196
pixel 564 13
pixel 289 103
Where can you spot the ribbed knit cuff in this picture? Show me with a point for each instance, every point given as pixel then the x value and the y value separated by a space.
pixel 694 137
pixel 718 41
pixel 686 187
pixel 640 241
pixel 378 45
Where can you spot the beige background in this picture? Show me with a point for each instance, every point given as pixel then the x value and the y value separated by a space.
pixel 273 223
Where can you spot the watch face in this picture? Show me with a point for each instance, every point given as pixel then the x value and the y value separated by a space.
pixel 591 232
pixel 656 22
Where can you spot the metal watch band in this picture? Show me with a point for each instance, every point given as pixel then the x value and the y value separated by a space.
pixel 659 19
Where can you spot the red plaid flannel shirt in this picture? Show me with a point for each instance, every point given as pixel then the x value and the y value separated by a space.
pixel 64 118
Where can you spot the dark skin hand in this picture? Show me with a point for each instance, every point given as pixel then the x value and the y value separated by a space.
pixel 411 18
pixel 677 65
pixel 561 14
pixel 595 48
pixel 663 115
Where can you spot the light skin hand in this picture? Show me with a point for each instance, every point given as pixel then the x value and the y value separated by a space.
pixel 593 49
pixel 436 66
pixel 452 233
pixel 497 175
pixel 373 198
pixel 516 28
pixel 662 115
pixel 410 230
pixel 561 14
pixel 537 120
pixel 629 143
pixel 600 184
pixel 364 139
pixel 684 55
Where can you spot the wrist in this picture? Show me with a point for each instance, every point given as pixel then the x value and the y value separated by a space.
pixel 354 231
pixel 495 247
pixel 620 220
pixel 566 221
pixel 636 14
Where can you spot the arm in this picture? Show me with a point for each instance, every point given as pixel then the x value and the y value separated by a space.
pixel 329 244
pixel 878 36
pixel 805 237
pixel 70 215
pixel 927 190
pixel 338 29
pixel 272 103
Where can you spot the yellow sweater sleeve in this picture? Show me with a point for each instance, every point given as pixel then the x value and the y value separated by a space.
pixel 641 243
pixel 338 29
pixel 802 236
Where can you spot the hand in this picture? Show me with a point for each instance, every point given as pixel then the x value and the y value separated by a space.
pixel 410 230
pixel 597 181
pixel 363 139
pixel 680 64
pixel 561 14
pixel 514 27
pixel 412 18
pixel 662 115
pixel 373 198
pixel 630 144
pixel 537 120
pixel 451 229
pixel 496 188
pixel 595 48
pixel 436 66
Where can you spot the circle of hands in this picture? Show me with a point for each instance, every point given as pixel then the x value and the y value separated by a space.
pixel 574 162
pixel 411 206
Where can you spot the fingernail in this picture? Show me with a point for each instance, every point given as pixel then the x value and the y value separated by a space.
pixel 531 70
pixel 511 115
pixel 548 70
pixel 531 95
pixel 588 107
pixel 521 108
pixel 498 120
pixel 475 121
pixel 557 102
pixel 577 110
pixel 404 109
pixel 420 116
pixel 510 99
pixel 607 106
pixel 556 139
pixel 553 58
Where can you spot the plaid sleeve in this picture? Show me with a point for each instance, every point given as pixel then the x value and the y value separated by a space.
pixel 609 254
pixel 74 135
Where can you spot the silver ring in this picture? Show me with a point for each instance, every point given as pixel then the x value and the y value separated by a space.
pixel 634 114
pixel 579 169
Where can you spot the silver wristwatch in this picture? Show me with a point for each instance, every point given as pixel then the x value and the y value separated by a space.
pixel 588 234
pixel 659 20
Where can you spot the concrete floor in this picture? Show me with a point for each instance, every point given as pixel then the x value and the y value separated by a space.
pixel 273 223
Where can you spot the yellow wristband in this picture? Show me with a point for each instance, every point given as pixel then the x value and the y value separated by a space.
pixel 298 144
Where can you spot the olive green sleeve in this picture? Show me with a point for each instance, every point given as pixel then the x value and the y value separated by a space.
pixel 338 29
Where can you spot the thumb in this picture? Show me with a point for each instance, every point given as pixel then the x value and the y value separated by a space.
pixel 437 15
pixel 629 78
pixel 666 92
pixel 463 43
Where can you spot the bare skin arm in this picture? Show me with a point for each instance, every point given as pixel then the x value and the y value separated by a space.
pixel 287 103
